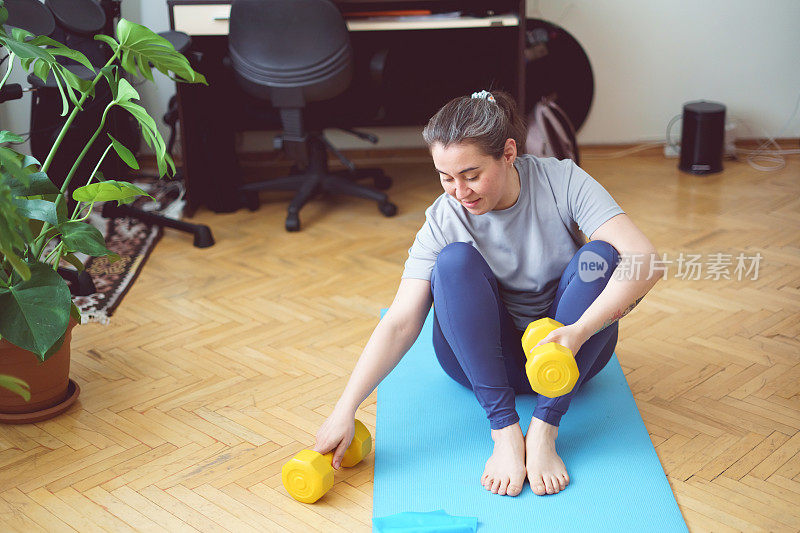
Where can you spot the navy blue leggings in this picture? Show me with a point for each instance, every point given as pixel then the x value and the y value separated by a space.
pixel 478 345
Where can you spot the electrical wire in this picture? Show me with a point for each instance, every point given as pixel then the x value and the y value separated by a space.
pixel 772 156
pixel 627 151
pixel 29 133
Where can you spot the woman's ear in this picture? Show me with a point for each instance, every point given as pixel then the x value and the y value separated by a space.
pixel 510 150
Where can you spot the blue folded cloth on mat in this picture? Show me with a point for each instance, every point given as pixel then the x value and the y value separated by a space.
pixel 430 522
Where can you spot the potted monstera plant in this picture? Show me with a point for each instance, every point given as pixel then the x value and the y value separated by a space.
pixel 37 314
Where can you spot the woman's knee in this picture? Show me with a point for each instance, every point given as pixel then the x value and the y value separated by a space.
pixel 597 257
pixel 458 257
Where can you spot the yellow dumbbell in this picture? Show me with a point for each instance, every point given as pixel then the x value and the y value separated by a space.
pixel 551 368
pixel 309 474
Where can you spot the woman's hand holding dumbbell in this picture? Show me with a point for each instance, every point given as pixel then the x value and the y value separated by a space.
pixel 550 348
pixel 570 337
pixel 341 441
pixel 336 433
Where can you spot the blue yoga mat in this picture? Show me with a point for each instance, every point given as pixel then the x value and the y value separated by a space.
pixel 432 441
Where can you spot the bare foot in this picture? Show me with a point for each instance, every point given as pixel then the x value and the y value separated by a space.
pixel 505 469
pixel 546 471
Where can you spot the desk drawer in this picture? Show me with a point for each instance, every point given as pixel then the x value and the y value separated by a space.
pixel 205 19
pixel 212 19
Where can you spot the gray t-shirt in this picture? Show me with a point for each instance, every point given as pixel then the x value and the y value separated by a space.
pixel 528 245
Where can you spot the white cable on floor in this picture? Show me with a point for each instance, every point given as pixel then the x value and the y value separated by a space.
pixel 774 156
pixel 627 151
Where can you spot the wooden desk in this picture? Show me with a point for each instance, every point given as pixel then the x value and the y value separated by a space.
pixel 427 61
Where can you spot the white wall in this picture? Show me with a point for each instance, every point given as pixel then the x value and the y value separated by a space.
pixel 648 58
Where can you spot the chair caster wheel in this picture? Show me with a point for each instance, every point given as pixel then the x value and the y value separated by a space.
pixel 388 209
pixel 382 182
pixel 292 222
pixel 250 200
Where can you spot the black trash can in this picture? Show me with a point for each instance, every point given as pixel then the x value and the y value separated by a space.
pixel 702 138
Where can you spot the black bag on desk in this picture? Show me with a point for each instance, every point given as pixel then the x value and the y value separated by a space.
pixel 550 132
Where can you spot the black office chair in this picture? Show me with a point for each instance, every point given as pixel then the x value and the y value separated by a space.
pixel 292 52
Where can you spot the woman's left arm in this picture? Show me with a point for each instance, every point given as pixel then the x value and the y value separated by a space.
pixel 623 292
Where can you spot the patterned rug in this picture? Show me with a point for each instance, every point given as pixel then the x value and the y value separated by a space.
pixel 133 240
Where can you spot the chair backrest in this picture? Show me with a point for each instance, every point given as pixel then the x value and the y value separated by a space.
pixel 290 51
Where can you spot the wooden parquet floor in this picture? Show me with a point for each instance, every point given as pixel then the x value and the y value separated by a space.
pixel 222 363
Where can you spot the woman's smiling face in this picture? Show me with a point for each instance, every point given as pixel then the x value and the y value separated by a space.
pixel 478 181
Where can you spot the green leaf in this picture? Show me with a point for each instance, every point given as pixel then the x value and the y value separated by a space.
pixel 84 238
pixel 10 162
pixel 170 162
pixel 144 67
pixel 72 54
pixel 21 34
pixel 37 210
pixel 128 61
pixel 62 211
pixel 125 91
pixel 61 74
pixel 7 136
pixel 75 82
pixel 16 385
pixel 56 48
pixel 74 261
pixel 111 74
pixel 107 191
pixel 124 153
pixel 15 230
pixel 141 45
pixel 29 160
pixel 75 313
pixel 34 314
pixel 110 41
pixel 3 15
pixel 150 134
pixel 64 104
pixel 41 69
pixel 20 266
pixel 38 184
pixel 60 342
pixel 26 50
pixel 145 120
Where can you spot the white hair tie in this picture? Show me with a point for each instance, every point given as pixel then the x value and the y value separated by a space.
pixel 486 95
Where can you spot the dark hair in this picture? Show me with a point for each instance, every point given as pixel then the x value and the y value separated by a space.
pixel 479 121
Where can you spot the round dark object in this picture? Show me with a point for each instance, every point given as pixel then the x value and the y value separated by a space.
pixel 388 209
pixel 556 65
pixel 30 15
pixel 78 16
pixel 292 222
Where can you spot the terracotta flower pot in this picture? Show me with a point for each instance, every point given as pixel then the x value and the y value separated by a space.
pixel 49 382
